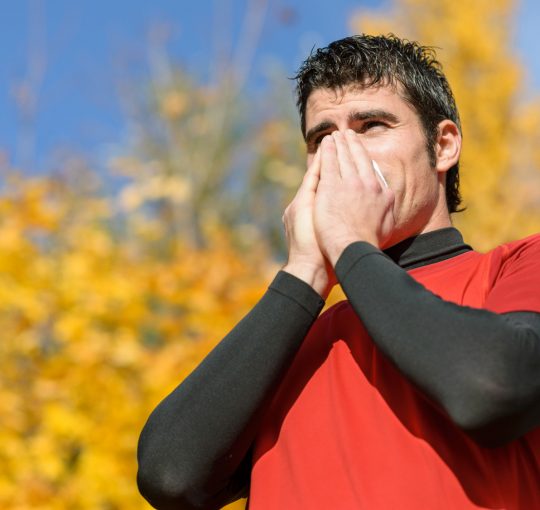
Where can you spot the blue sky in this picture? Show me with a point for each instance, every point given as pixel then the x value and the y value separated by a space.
pixel 76 55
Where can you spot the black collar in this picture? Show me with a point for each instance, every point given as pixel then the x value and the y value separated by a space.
pixel 428 248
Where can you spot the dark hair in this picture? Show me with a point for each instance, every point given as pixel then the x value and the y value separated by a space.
pixel 368 61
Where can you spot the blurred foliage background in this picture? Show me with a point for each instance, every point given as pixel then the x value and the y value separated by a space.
pixel 109 298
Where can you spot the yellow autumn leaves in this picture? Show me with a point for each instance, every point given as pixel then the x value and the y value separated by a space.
pixel 95 331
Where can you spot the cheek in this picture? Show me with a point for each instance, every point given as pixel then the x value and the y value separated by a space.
pixel 386 153
pixel 377 147
pixel 390 160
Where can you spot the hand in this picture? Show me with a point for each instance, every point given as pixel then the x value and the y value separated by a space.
pixel 350 203
pixel 306 260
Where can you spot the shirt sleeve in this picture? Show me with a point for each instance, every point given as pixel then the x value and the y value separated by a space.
pixel 194 451
pixel 482 368
pixel 516 285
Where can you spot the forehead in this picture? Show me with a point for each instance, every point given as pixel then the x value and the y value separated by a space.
pixel 332 104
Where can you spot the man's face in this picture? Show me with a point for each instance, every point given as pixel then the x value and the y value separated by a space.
pixel 392 134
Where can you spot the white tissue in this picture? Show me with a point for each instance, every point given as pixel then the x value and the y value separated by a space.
pixel 377 170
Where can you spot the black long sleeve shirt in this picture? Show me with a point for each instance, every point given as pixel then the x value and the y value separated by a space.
pixel 194 451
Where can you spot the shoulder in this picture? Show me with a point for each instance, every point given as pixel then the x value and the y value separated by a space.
pixel 529 244
pixel 522 251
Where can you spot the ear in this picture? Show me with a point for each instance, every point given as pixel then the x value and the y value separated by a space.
pixel 447 146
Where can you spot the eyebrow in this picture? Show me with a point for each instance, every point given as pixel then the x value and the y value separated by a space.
pixel 354 116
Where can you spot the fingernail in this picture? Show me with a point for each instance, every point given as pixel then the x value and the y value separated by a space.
pixel 350 132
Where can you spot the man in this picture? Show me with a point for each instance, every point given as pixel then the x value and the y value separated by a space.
pixel 422 390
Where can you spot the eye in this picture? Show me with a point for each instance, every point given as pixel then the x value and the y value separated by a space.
pixel 318 140
pixel 371 124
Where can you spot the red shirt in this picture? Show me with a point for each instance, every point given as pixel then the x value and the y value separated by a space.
pixel 346 430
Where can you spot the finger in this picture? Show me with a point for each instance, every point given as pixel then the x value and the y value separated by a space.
pixel 347 166
pixel 364 166
pixel 310 182
pixel 329 161
pixel 313 172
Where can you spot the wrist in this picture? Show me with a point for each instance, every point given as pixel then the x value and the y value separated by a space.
pixel 335 251
pixel 312 274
